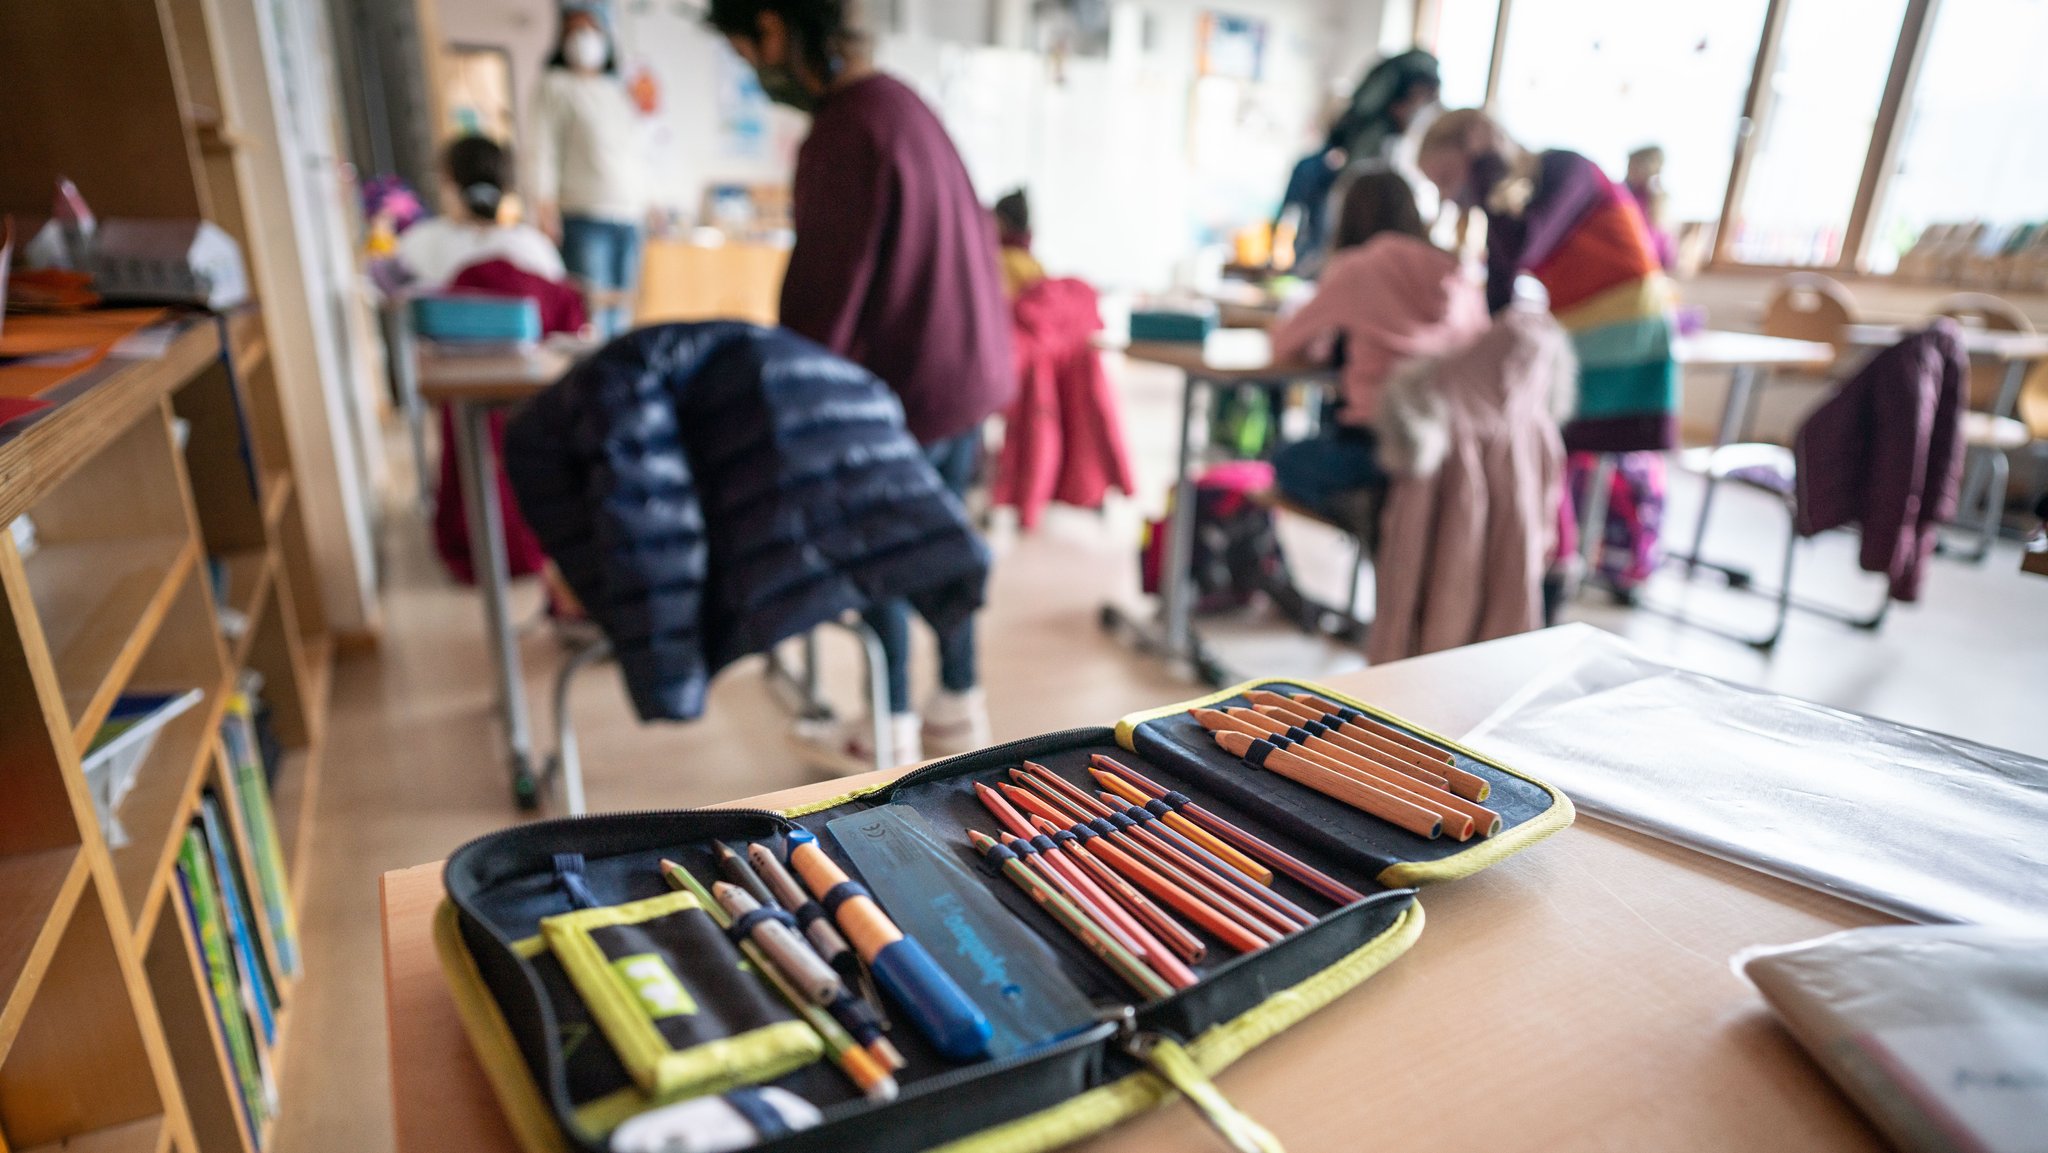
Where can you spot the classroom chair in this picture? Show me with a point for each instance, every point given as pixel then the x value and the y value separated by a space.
pixel 1809 306
pixel 1989 434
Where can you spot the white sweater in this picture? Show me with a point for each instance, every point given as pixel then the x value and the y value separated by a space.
pixel 435 250
pixel 583 150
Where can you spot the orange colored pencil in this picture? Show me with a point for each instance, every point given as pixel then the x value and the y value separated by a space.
pixel 1455 825
pixel 1476 818
pixel 1468 784
pixel 1366 731
pixel 1404 761
pixel 1378 802
pixel 1262 850
pixel 1131 794
pixel 1188 874
pixel 1223 928
pixel 1270 907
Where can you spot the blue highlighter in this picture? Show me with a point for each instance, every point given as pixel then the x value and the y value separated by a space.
pixel 928 996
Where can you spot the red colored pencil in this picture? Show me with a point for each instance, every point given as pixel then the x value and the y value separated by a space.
pixel 1187 894
pixel 1260 850
pixel 1076 921
pixel 1269 907
pixel 1068 878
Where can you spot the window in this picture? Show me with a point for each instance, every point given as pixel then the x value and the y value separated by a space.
pixel 1606 77
pixel 1462 39
pixel 1967 152
pixel 1813 137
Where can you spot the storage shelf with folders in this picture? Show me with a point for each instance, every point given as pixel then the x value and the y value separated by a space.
pixel 1019 946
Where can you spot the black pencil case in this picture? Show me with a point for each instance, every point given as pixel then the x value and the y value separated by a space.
pixel 562 1092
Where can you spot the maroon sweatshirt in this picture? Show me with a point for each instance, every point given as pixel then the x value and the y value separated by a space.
pixel 895 263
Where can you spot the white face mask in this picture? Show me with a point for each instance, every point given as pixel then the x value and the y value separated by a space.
pixel 586 50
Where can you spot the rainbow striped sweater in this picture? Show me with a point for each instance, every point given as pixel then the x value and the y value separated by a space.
pixel 1584 238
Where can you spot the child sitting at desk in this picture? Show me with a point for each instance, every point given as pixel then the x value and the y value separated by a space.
pixel 1390 296
pixel 477 175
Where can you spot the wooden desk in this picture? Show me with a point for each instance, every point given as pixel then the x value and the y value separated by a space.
pixel 472 385
pixel 1589 976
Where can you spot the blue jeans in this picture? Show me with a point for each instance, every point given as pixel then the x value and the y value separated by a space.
pixel 955 460
pixel 604 254
pixel 1317 472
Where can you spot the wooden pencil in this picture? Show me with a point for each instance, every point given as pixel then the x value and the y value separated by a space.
pixel 1465 817
pixel 1403 761
pixel 1132 794
pixel 860 1066
pixel 1365 730
pixel 1259 728
pixel 1070 916
pixel 1261 850
pixel 1378 802
pixel 738 871
pixel 1107 907
pixel 1175 936
pixel 1262 903
pixel 1232 925
pixel 1467 784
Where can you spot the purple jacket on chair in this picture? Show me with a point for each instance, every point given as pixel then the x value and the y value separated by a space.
pixel 1886 452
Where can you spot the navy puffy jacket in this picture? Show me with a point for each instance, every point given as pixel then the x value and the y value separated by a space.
pixel 711 489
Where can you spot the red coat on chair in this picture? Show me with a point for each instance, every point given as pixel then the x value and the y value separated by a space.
pixel 561 310
pixel 1063 438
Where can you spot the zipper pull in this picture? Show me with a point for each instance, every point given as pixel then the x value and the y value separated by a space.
pixel 1166 1057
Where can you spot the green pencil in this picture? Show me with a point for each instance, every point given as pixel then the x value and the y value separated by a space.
pixel 857 1063
pixel 1084 928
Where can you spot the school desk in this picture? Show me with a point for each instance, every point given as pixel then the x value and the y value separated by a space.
pixel 1577 996
pixel 473 385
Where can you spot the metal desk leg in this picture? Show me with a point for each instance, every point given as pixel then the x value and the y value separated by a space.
pixel 1734 426
pixel 1176 583
pixel 478 469
pixel 1593 529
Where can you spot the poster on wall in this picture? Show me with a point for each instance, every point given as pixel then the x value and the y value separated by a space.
pixel 742 109
pixel 1230 47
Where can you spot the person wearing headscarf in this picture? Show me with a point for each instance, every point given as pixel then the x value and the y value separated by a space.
pixel 1393 97
pixel 584 162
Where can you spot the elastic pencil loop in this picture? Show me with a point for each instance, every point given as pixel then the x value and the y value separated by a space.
pixel 1176 799
pixel 997 854
pixel 1042 843
pixel 1259 751
pixel 841 893
pixel 743 926
pixel 1278 741
pixel 764 1117
pixel 1158 808
pixel 809 913
pixel 1082 833
pixel 1298 735
pixel 1101 825
pixel 1062 836
pixel 569 872
pixel 1349 714
pixel 1120 822
pixel 1022 847
pixel 855 1017
pixel 1313 728
pixel 1138 816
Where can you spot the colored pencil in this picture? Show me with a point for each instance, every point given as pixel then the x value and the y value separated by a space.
pixel 1270 907
pixel 1176 937
pixel 1154 876
pixel 1263 754
pixel 1466 784
pixel 739 872
pixel 1109 906
pixel 1070 916
pixel 859 1014
pixel 1462 818
pixel 859 1065
pixel 1131 794
pixel 1408 764
pixel 1364 730
pixel 1263 851
pixel 805 969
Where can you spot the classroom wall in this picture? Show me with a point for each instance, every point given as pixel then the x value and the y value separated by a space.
pixel 1131 161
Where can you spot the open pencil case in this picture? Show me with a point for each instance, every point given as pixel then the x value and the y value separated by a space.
pixel 563 1087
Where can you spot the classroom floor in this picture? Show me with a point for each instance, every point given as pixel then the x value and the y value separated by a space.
pixel 412 768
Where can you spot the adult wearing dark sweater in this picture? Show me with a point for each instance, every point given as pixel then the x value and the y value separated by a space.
pixel 895 267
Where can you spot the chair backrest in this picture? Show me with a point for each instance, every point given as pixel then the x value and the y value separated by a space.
pixel 1809 306
pixel 1990 313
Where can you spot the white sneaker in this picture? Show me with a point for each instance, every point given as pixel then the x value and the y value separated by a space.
pixel 956 723
pixel 846 747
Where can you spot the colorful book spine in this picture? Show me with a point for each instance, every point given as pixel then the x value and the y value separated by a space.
pixel 253 792
pixel 196 875
pixel 257 995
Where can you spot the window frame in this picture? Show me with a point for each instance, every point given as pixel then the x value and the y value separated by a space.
pixel 1886 136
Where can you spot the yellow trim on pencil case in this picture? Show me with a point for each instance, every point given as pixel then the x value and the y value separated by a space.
pixel 527 948
pixel 1216 1049
pixel 1482 854
pixel 532 1123
pixel 709 1067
